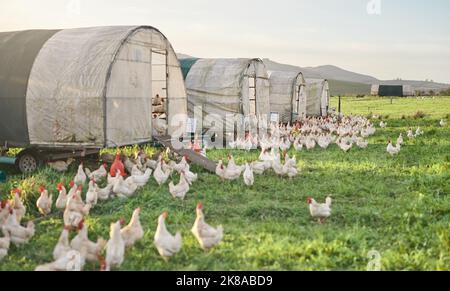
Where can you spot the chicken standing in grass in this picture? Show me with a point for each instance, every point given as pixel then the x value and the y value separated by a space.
pixel 98 174
pixel 19 235
pixel 4 212
pixel 75 210
pixel 419 132
pixel 80 177
pixel 92 193
pixel 443 123
pixel 142 180
pixel 72 261
pixel 206 235
pixel 115 248
pixel 393 150
pixel 320 211
pixel 133 232
pixel 160 175
pixel 45 201
pixel 410 134
pixel 166 243
pixel 104 193
pixel 122 188
pixel 63 245
pixel 181 189
pixel 5 242
pixel 191 177
pixel 61 201
pixel 249 178
pixel 81 240
pixel 400 140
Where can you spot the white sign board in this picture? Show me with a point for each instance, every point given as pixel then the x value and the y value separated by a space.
pixel 274 117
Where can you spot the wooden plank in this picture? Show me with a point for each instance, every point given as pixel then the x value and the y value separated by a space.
pixel 193 157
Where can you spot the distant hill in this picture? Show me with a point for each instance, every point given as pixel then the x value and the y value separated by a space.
pixel 183 56
pixel 335 73
pixel 344 82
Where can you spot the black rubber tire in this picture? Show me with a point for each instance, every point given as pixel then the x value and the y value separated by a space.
pixel 28 161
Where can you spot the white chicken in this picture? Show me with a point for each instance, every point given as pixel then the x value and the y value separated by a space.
pixel 344 145
pixel 115 248
pixel 249 178
pixel 410 134
pixel 63 245
pixel 73 188
pixel 80 177
pixel 124 189
pixel 81 240
pixel 71 261
pixel 361 143
pixel 320 211
pixel 135 171
pixel 92 193
pixel 443 123
pixel 5 242
pixel 206 235
pixel 104 193
pixel 75 210
pixel 393 150
pixel 166 243
pixel 4 211
pixel 160 175
pixel 142 180
pixel 44 202
pixel 180 190
pixel 290 166
pixel 133 232
pixel 419 132
pixel 259 168
pixel 98 174
pixel 191 177
pixel 180 166
pixel 61 201
pixel 19 235
pixel 400 140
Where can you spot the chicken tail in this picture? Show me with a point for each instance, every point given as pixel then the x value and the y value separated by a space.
pixel 328 201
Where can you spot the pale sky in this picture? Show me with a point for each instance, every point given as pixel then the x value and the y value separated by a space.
pixel 408 39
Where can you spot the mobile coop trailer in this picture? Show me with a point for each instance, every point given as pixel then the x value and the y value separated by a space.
pixel 72 92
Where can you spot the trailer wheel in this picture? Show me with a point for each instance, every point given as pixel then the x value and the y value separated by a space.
pixel 28 161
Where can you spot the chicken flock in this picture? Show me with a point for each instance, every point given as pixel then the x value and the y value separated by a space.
pixel 73 254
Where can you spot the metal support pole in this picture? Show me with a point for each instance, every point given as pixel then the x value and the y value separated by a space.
pixel 340 103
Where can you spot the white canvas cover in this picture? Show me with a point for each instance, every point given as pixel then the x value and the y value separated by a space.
pixel 287 95
pixel 408 90
pixel 374 90
pixel 222 86
pixel 318 97
pixel 92 87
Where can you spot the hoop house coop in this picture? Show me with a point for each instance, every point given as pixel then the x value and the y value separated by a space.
pixel 224 88
pixel 72 91
pixel 287 95
pixel 318 97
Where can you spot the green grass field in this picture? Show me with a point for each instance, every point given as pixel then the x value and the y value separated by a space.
pixel 397 206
